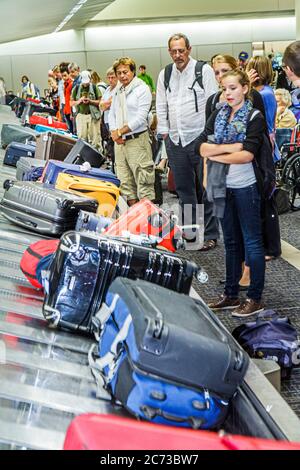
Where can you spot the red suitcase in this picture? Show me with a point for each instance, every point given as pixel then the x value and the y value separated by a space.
pixel 171 182
pixel 148 219
pixel 49 121
pixel 108 432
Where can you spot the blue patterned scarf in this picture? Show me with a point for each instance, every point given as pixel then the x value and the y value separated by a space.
pixel 234 131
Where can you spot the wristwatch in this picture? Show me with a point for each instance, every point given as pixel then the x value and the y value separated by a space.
pixel 119 133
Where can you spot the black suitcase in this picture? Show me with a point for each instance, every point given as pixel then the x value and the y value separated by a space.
pixel 84 266
pixel 15 151
pixel 16 133
pixel 42 209
pixel 31 108
pixel 84 152
pixel 26 165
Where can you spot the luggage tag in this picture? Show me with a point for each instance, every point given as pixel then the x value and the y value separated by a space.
pixel 50 120
pixel 85 167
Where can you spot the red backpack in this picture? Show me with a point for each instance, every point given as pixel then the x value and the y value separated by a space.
pixel 32 256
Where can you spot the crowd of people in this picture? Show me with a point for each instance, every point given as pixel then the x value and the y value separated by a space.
pixel 213 120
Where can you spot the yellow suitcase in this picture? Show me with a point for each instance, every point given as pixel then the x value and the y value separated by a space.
pixel 107 194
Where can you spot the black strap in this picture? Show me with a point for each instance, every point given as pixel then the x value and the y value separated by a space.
pixel 198 79
pixel 34 253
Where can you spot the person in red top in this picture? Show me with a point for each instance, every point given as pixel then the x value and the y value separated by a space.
pixel 68 83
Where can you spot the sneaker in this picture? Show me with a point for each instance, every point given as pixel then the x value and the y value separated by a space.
pixel 248 307
pixel 224 302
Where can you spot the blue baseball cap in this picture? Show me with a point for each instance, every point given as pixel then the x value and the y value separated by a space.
pixel 243 55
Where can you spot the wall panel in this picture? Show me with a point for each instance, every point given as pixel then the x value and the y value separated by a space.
pixel 102 60
pixel 78 57
pixel 5 71
pixel 34 66
pixel 148 57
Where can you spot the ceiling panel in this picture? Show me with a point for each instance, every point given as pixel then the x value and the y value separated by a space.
pixel 21 19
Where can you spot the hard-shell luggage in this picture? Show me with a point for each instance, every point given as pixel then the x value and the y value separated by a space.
pixel 50 145
pixel 54 168
pixel 165 356
pixel 107 194
pixel 31 107
pixel 148 219
pixel 85 265
pixel 113 432
pixel 84 152
pixel 49 121
pixel 15 151
pixel 16 133
pixel 42 209
pixel 40 129
pixel 29 169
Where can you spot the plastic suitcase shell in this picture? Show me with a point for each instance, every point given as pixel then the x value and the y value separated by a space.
pixel 24 165
pixel 146 218
pixel 107 194
pixel 84 152
pixel 54 168
pixel 42 209
pixel 112 432
pixel 39 128
pixel 16 133
pixel 51 122
pixel 50 145
pixel 16 150
pixel 95 261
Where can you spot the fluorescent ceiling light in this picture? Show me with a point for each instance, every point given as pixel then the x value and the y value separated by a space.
pixel 70 14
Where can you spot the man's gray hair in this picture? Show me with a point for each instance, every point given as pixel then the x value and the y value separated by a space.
pixel 177 36
pixel 110 71
pixel 73 66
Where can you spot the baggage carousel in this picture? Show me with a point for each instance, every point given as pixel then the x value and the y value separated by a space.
pixel 45 380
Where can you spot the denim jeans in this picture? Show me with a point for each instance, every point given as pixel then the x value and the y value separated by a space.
pixel 187 167
pixel 242 229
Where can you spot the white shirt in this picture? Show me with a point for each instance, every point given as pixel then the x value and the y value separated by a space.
pixel 109 93
pixel 184 122
pixel 138 106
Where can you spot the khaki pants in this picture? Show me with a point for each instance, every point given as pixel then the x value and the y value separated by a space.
pixel 88 129
pixel 135 168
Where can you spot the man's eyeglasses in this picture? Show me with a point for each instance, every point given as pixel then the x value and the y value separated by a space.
pixel 177 51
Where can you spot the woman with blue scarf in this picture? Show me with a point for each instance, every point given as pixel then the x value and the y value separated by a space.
pixel 230 142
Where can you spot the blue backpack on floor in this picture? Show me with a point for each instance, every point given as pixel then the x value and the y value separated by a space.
pixel 270 337
pixel 164 356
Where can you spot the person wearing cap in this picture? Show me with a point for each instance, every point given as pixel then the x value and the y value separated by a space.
pixel 128 124
pixel 86 99
pixel 243 57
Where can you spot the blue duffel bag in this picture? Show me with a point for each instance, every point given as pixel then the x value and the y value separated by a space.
pixel 270 337
pixel 165 356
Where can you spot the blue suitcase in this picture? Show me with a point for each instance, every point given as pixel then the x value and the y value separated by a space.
pixel 16 150
pixel 40 128
pixel 55 167
pixel 165 356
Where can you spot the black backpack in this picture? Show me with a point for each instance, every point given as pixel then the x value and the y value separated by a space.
pixel 198 78
pixel 263 163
